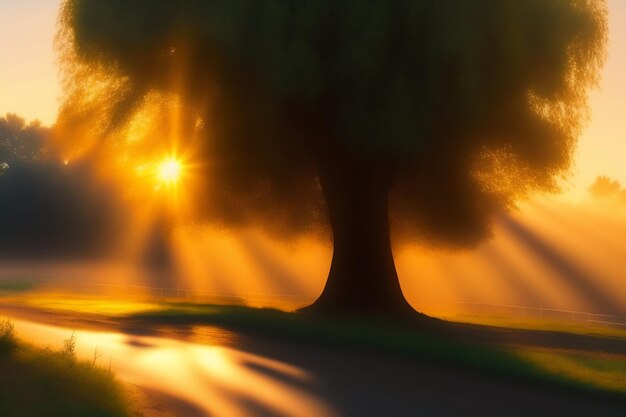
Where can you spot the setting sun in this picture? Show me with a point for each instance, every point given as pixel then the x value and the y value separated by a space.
pixel 170 170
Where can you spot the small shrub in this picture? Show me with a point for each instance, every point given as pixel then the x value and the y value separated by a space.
pixel 69 347
pixel 44 382
pixel 7 336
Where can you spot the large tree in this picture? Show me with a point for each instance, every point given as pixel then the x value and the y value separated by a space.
pixel 438 112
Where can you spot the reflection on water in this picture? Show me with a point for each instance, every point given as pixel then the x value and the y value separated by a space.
pixel 219 380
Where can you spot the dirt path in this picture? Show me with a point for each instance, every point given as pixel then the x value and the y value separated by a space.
pixel 215 372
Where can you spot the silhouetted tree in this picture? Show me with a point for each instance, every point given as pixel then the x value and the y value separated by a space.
pixel 443 110
pixel 21 141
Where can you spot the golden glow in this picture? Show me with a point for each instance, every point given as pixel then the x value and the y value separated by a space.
pixel 206 376
pixel 578 265
pixel 162 177
pixel 170 170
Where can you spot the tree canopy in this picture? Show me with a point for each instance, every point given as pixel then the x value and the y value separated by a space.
pixel 466 105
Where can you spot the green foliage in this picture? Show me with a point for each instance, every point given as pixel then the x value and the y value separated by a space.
pixel 7 336
pixel 46 383
pixel 16 286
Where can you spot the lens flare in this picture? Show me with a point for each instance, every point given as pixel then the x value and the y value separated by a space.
pixel 170 170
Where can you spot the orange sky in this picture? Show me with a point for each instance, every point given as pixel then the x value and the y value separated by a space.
pixel 29 85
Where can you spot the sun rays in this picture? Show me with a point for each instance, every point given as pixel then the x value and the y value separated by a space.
pixel 549 254
pixel 540 258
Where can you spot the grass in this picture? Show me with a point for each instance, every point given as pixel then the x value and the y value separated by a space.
pixel 604 371
pixel 15 286
pixel 42 382
pixel 579 327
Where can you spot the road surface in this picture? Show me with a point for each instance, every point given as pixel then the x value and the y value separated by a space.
pixel 206 371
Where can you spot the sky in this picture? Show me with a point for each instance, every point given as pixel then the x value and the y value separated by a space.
pixel 30 86
pixel 29 79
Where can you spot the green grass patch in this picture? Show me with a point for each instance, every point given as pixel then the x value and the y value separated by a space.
pixel 15 286
pixel 579 327
pixel 42 382
pixel 604 371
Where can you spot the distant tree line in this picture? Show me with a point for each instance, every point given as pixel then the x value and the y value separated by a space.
pixel 48 208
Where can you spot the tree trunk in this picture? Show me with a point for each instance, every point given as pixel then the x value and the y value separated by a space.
pixel 362 277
